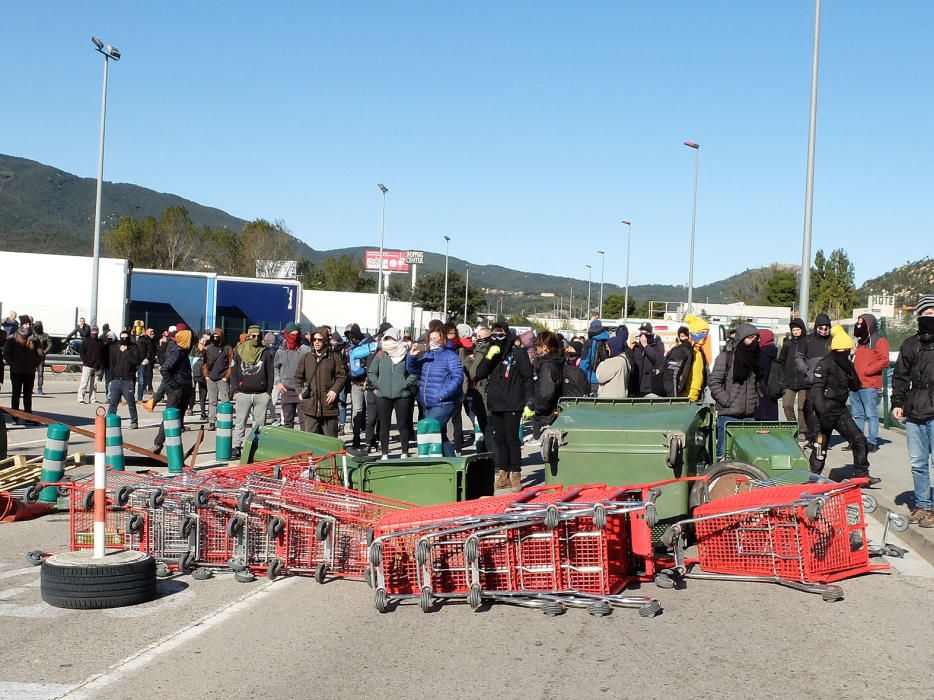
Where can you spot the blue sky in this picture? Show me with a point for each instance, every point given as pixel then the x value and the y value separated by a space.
pixel 524 130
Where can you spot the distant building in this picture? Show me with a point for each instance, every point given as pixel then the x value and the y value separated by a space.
pixel 879 305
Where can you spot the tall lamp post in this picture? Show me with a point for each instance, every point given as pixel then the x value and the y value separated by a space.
pixel 602 268
pixel 466 288
pixel 109 52
pixel 589 280
pixel 382 232
pixel 447 245
pixel 804 289
pixel 628 248
pixel 696 147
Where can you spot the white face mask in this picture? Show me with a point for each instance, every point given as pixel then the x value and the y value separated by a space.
pixel 434 345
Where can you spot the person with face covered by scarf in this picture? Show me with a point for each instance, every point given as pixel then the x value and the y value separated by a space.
pixel 90 352
pixel 23 355
pixel 216 368
pixel 124 359
pixel 871 359
pixel 509 391
pixel 440 385
pixel 913 403
pixel 834 379
pixel 251 378
pixel 395 389
pixel 176 378
pixel 734 381
pixel 285 364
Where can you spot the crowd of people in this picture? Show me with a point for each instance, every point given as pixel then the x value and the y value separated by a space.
pixel 360 385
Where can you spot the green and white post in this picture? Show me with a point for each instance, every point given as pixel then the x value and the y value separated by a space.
pixel 428 437
pixel 53 460
pixel 114 443
pixel 223 447
pixel 171 423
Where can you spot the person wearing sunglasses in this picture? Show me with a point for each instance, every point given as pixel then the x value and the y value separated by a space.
pixel 320 377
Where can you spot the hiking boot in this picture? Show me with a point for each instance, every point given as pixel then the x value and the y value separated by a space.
pixel 927 520
pixel 515 479
pixel 916 515
pixel 502 479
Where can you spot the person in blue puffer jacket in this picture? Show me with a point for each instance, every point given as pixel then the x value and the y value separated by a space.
pixel 440 386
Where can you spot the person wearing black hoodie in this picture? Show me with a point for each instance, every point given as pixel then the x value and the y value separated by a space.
pixel 508 370
pixel 547 384
pixel 90 365
pixel 814 348
pixel 795 392
pixel 734 381
pixel 648 356
pixel 176 377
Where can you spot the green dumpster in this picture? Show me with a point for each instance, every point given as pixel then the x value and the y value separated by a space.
pixel 630 441
pixel 426 480
pixel 769 446
pixel 274 442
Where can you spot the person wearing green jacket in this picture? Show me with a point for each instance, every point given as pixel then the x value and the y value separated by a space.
pixel 395 389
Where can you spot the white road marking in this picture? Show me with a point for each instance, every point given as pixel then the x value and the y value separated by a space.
pixel 19 572
pixel 31 611
pixel 12 592
pixel 31 691
pixel 169 600
pixel 144 657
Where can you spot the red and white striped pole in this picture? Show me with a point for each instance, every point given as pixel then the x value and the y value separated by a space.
pixel 100 484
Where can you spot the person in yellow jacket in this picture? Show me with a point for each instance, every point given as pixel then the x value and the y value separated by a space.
pixel 700 334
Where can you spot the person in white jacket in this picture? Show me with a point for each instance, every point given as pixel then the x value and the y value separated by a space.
pixel 613 377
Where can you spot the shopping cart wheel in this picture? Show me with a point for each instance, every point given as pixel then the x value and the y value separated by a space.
pixel 321 572
pixel 832 594
pixel 870 504
pixel 236 564
pixel 551 518
pixel 157 498
pixel 162 570
pixel 600 609
pixel 87 503
pixel 277 472
pixel 471 549
pixel 424 599
pixel 599 516
pixel 202 574
pixel 274 569
pixel 473 598
pixel 35 557
pixel 134 524
pixel 31 494
pixel 663 580
pixel 422 550
pixel 186 562
pixel 554 609
pixel 64 491
pixel 243 501
pixel 650 609
pixel 244 577
pixel 123 495
pixel 899 522
pixel 368 576
pixel 202 498
pixel 813 509
pixel 376 554
pixel 322 530
pixel 276 527
pixel 188 526
pixel 234 526
pixel 670 536
pixel 380 600
pixel 651 515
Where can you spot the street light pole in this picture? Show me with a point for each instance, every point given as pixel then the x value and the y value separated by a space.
pixel 628 249
pixel 804 289
pixel 109 52
pixel 466 288
pixel 696 147
pixel 602 268
pixel 447 242
pixel 571 303
pixel 379 283
pixel 589 280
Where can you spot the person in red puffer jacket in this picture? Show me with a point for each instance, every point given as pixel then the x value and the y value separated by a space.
pixel 870 359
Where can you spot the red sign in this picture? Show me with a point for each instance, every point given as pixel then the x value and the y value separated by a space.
pixel 393 261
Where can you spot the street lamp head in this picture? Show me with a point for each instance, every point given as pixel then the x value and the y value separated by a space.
pixel 628 223
pixel 447 238
pixel 600 252
pixel 106 49
pixel 589 267
pixel 691 144
pixel 383 188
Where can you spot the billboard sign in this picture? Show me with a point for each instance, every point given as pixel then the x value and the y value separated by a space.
pixel 414 257
pixel 393 261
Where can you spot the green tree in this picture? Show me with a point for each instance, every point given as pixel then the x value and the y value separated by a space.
pixel 781 288
pixel 833 290
pixel 429 294
pixel 132 239
pixel 613 306
pixel 399 290
pixel 176 238
pixel 261 244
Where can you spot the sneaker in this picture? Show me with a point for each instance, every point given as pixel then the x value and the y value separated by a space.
pixel 802 437
pixel 873 480
pixel 927 520
pixel 157 449
pixel 235 454
pixel 212 427
pixel 81 401
pixel 134 426
pixel 384 458
pixel 405 455
pixel 872 448
pixel 916 515
pixel 847 448
pixel 40 392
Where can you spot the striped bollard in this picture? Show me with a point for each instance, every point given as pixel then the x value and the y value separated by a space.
pixel 171 423
pixel 223 446
pixel 100 484
pixel 53 460
pixel 428 437
pixel 114 439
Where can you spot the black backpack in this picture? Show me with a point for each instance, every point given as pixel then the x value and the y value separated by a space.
pixel 573 381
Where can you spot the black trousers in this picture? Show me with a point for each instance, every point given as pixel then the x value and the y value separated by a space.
pixel 457 423
pixel 505 426
pixel 175 398
pixel 22 385
pixel 403 408
pixel 846 426
pixel 201 388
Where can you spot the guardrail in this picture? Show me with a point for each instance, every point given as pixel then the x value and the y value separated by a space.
pixel 62 360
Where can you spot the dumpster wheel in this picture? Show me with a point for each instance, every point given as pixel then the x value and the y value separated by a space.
pixel 726 479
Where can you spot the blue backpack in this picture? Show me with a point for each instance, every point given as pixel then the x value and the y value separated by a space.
pixel 358 357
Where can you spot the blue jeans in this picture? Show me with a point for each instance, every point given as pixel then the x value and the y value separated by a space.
pixel 721 432
pixel 140 381
pixel 864 405
pixel 920 453
pixel 443 414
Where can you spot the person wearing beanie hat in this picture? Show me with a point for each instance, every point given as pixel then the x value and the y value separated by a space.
pixel 795 392
pixel 734 382
pixel 176 380
pixel 90 352
pixel 251 382
pixel 285 365
pixel 595 351
pixel 217 364
pixel 913 403
pixel 648 358
pixel 23 355
pixel 834 379
pixel 813 350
